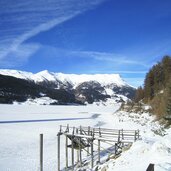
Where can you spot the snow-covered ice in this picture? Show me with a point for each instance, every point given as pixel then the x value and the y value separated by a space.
pixel 19 141
pixel 20 126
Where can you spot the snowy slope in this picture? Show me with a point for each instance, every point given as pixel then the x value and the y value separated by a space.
pixel 154 146
pixel 74 79
pixel 103 79
pixel 17 74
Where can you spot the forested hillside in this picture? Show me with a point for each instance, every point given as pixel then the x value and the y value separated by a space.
pixel 157 88
pixel 15 89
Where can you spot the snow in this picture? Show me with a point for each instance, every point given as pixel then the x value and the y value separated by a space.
pixel 37 101
pixel 17 74
pixel 152 148
pixel 109 91
pixel 43 75
pixel 19 145
pixel 103 79
pixel 108 81
pixel 142 154
pixel 74 79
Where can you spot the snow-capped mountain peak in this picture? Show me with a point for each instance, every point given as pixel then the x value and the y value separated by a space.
pixel 17 74
pixel 103 79
pixel 65 87
pixel 44 75
pixel 74 79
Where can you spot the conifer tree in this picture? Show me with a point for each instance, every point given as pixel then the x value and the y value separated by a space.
pixel 168 107
pixel 139 95
pixel 149 85
pixel 166 64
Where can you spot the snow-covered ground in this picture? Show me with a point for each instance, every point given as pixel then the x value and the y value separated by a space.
pixel 19 136
pixel 20 126
pixel 154 146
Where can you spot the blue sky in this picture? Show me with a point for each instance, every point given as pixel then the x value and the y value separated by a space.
pixel 85 36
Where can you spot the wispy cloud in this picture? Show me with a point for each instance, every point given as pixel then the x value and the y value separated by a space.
pixel 131 72
pixel 19 56
pixel 150 52
pixel 109 57
pixel 95 62
pixel 21 20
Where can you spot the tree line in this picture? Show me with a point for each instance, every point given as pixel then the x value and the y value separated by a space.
pixel 157 88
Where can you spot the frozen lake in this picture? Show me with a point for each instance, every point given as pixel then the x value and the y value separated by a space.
pixel 20 126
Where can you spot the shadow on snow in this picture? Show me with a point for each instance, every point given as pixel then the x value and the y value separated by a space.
pixel 43 120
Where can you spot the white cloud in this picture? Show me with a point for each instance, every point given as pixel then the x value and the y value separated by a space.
pixel 21 20
pixel 131 72
pixel 108 57
pixel 19 56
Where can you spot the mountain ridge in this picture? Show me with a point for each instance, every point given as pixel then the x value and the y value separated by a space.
pixel 75 79
pixel 82 88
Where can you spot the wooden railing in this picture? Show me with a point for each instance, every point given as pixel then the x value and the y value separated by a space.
pixel 85 137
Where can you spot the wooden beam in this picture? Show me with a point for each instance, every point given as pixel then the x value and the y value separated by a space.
pixel 58 152
pixel 72 152
pixel 92 156
pixel 88 149
pixel 66 151
pixel 99 146
pixel 41 152
pixel 80 154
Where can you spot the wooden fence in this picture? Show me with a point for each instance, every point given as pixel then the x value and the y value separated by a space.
pixel 85 138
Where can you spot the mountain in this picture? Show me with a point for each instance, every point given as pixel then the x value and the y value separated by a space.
pixel 14 89
pixel 64 88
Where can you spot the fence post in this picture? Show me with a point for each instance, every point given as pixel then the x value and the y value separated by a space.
pixel 72 150
pixel 80 129
pixel 41 152
pixel 122 138
pixel 88 135
pixel 58 144
pixel 92 150
pixel 80 152
pixel 92 153
pixel 119 136
pixel 138 134
pixel 135 136
pixel 66 152
pixel 99 146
